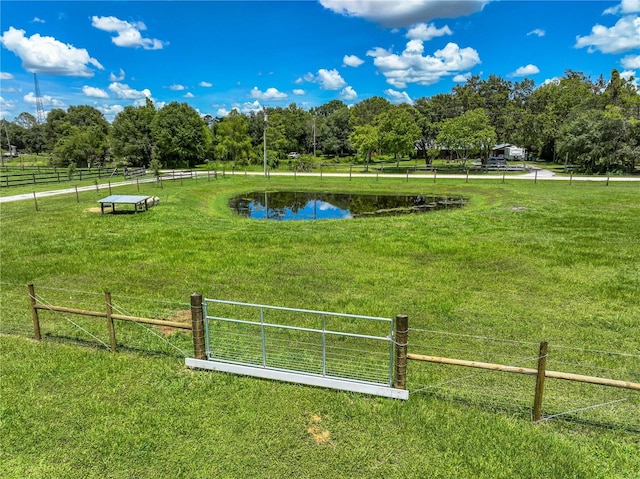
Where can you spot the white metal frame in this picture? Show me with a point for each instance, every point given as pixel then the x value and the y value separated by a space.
pixel 374 387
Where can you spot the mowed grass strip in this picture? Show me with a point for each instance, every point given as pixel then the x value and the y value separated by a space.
pixel 523 261
pixel 79 413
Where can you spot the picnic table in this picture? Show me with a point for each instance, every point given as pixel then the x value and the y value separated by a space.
pixel 140 203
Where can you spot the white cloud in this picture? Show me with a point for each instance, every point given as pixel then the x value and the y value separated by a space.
pixel 462 77
pixel 119 77
pixel 552 81
pixel 128 34
pixel 628 75
pixel 188 95
pixel 394 13
pixel 398 96
pixel 7 104
pixel 245 108
pixel 47 55
pixel 94 92
pixel 270 94
pixel 10 89
pixel 352 61
pixel 425 32
pixel 537 32
pixel 143 101
pixel 622 37
pixel 348 94
pixel 327 79
pixel 631 61
pixel 248 107
pixel 526 70
pixel 46 100
pixel 626 6
pixel 6 76
pixel 299 91
pixel 110 111
pixel 175 87
pixel 412 67
pixel 37 20
pixel 205 84
pixel 121 90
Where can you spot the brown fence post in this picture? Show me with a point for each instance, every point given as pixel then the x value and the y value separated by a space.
pixel 35 200
pixel 401 335
pixel 34 313
pixel 197 326
pixel 112 329
pixel 542 367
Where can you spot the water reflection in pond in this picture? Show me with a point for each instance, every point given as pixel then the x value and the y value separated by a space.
pixel 297 205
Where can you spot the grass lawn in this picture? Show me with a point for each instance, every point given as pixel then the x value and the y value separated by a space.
pixel 522 262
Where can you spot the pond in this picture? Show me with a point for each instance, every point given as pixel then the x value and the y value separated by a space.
pixel 301 205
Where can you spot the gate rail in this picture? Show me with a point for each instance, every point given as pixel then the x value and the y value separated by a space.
pixel 321 356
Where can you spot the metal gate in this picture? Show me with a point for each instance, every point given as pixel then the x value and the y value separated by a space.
pixel 340 351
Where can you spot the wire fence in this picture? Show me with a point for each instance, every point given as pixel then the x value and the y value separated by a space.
pixel 566 400
pixel 313 342
pixel 301 345
pixel 15 314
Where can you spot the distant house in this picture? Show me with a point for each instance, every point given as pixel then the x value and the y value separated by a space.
pixel 508 151
pixel 12 151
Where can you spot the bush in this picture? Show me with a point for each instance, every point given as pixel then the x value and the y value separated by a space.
pixel 302 163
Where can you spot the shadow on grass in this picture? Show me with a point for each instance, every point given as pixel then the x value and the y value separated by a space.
pixel 86 343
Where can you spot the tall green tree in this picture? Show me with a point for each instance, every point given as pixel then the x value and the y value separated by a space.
pixel 398 131
pixel 179 136
pixel 335 130
pixel 84 116
pixel 55 127
pixel 232 138
pixel 366 111
pixel 131 134
pixel 601 140
pixel 467 135
pixel 365 139
pixel 553 102
pixel 81 146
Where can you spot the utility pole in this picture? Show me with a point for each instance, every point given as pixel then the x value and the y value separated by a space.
pixel 314 136
pixel 264 114
pixel 4 124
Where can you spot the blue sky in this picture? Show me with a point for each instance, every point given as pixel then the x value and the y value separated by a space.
pixel 220 55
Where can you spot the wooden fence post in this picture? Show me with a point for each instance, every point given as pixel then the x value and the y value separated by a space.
pixel 542 366
pixel 35 200
pixel 197 326
pixel 401 335
pixel 77 197
pixel 112 329
pixel 34 313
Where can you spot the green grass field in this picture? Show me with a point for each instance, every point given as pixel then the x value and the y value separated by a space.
pixel 521 263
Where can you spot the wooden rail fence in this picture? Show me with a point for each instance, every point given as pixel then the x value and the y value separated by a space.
pixel 196 327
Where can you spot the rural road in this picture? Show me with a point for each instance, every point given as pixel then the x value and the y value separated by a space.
pixel 542 175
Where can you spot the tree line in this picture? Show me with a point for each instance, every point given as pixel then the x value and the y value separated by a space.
pixel 592 124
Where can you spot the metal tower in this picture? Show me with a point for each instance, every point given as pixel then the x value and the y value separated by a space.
pixel 39 107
